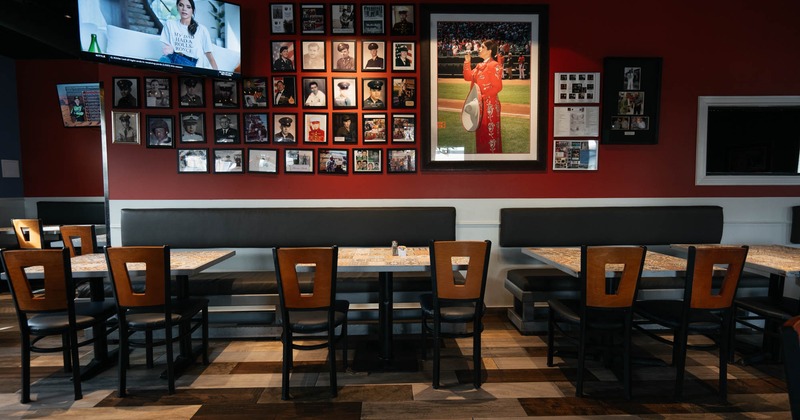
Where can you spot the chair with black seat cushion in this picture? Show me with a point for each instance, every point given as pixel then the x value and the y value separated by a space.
pixel 455 300
pixel 152 309
pixel 790 334
pixel 86 235
pixel 605 307
pixel 310 315
pixel 30 233
pixel 53 312
pixel 703 310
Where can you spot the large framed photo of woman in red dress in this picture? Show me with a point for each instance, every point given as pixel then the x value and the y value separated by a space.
pixel 487 77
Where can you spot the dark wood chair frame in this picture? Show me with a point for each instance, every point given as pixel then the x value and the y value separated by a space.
pixel 790 334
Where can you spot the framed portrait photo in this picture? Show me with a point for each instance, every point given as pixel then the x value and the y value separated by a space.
pixel 285 130
pixel 404 92
pixel 254 92
pixel 343 19
pixel 316 128
pixel 367 161
pixel 125 126
pixel 281 18
pixel 468 135
pixel 193 127
pixel 191 92
pixel 157 92
pixel 401 160
pixel 343 56
pixel 284 91
pixel 404 128
pixel 403 20
pixel 298 161
pixel 192 161
pixel 126 92
pixel 228 161
pixel 332 161
pixel 313 55
pixel 312 19
pixel 315 92
pixel 226 128
pixel 262 161
pixel 256 128
pixel 345 127
pixel 374 56
pixel 373 19
pixel 345 92
pixel 283 57
pixel 374 93
pixel 225 95
pixel 374 128
pixel 160 131
pixel 403 56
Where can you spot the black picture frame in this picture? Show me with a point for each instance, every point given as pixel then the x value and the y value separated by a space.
pixel 404 56
pixel 126 92
pixel 315 128
pixel 343 18
pixel 373 19
pixel 193 127
pixel 333 161
pixel 125 127
pixel 313 55
pixel 403 20
pixel 312 19
pixel 404 92
pixel 368 61
pixel 446 144
pixel 374 93
pixel 228 161
pixel 288 97
pixel 344 127
pixel 374 128
pixel 191 92
pixel 344 91
pixel 631 100
pixel 160 131
pixel 263 161
pixel 255 93
pixel 284 129
pixel 226 93
pixel 158 92
pixel 283 63
pixel 368 161
pixel 227 134
pixel 281 18
pixel 256 127
pixel 341 60
pixel 404 128
pixel 401 161
pixel 298 161
pixel 315 98
pixel 192 161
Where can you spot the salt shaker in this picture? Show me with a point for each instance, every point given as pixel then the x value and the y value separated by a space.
pixel 394 248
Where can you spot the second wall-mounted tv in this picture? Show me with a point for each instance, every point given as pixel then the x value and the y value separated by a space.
pixel 195 36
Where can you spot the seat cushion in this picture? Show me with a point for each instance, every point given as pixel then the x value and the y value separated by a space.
pixel 307 322
pixel 154 317
pixel 568 310
pixel 57 322
pixel 449 311
pixel 669 312
pixel 101 309
pixel 781 309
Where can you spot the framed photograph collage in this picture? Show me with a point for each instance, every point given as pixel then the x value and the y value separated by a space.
pixel 338 90
pixel 576 121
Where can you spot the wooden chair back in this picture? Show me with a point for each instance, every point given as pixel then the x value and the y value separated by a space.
pixel 153 261
pixel 442 254
pixel 86 234
pixel 621 292
pixel 325 264
pixel 30 234
pixel 57 279
pixel 701 265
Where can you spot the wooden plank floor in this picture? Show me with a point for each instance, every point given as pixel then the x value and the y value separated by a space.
pixel 243 382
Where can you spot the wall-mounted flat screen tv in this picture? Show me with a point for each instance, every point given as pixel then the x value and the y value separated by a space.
pixel 195 36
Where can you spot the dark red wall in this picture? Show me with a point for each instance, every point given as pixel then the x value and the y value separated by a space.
pixel 714 47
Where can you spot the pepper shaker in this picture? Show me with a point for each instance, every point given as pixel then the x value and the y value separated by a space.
pixel 394 248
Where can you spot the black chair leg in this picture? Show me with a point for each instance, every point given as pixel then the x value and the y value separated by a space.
pixel 148 339
pixel 344 345
pixel 581 362
pixel 76 366
pixel 122 366
pixel 205 336
pixel 680 344
pixel 65 345
pixel 332 361
pixel 436 352
pixel 26 368
pixel 626 356
pixel 170 359
pixel 550 340
pixel 287 363
pixel 476 354
pixel 424 334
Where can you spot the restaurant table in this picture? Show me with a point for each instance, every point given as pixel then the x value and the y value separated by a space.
pixel 568 260
pixel 182 265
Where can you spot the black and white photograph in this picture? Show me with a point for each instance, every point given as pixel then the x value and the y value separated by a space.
pixel 373 19
pixel 254 92
pixel 404 92
pixel 345 92
pixel 343 19
pixel 229 161
pixel 299 161
pixel 345 127
pixel 315 92
pixel 367 161
pixel 284 128
pixel 313 55
pixel 193 127
pixel 126 92
pixel 633 78
pixel 316 128
pixel 343 56
pixel 284 90
pixel 374 128
pixel 157 92
pixel 373 56
pixel 402 19
pixel 283 57
pixel 332 161
pixel 312 18
pixel 225 95
pixel 403 56
pixel 191 93
pixel 226 128
pixel 256 128
pixel 282 18
pixel 374 93
pixel 262 160
pixel 192 160
pixel 401 160
pixel 160 131
pixel 125 126
pixel 404 128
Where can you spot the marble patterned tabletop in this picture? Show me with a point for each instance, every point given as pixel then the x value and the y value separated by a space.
pixel 766 259
pixel 381 259
pixel 568 260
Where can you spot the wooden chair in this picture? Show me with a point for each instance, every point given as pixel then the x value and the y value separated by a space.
pixel 53 312
pixel 453 302
pixel 30 233
pixel 153 309
pixel 605 307
pixel 702 311
pixel 790 334
pixel 308 315
pixel 86 234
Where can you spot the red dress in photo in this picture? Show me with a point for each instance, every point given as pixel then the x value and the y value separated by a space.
pixel 488 76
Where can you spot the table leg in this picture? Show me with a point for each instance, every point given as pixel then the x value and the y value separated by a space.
pixel 187 355
pixel 385 312
pixel 101 359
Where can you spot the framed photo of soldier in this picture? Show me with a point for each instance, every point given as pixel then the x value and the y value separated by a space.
pixel 262 160
pixel 228 161
pixel 345 92
pixel 374 93
pixel 284 128
pixel 254 92
pixel 343 19
pixel 225 95
pixel 126 92
pixel 404 92
pixel 343 56
pixel 256 128
pixel 345 127
pixel 403 19
pixel 316 128
pixel 315 92
pixel 192 160
pixel 191 92
pixel 193 127
pixel 284 91
pixel 160 131
pixel 281 18
pixel 403 56
pixel 373 56
pixel 373 19
pixel 226 129
pixel 157 92
pixel 125 126
pixel 312 19
pixel 283 58
pixel 368 161
pixel 313 55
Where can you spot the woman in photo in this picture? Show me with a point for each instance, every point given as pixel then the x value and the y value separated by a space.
pixel 487 78
pixel 186 40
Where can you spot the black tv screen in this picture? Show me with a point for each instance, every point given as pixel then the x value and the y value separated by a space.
pixel 195 36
